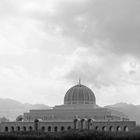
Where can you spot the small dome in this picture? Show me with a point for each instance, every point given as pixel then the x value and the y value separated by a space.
pixel 79 94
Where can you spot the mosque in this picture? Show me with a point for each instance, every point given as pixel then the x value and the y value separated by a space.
pixel 79 111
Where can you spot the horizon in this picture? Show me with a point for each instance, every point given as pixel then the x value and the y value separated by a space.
pixel 47 45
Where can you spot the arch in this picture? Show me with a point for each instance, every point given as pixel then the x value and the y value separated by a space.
pixel 6 129
pixel 97 128
pixel 111 128
pixel 30 128
pixel 90 123
pixel 55 129
pixel 43 128
pixel 62 128
pixel 76 123
pixel 104 128
pixel 12 129
pixel 82 123
pixel 69 128
pixel 49 129
pixel 126 129
pixel 18 128
pixel 36 121
pixel 118 128
pixel 24 128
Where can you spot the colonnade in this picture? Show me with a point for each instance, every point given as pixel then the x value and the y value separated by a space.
pixel 99 125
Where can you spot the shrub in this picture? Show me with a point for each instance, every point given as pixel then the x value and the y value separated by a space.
pixel 71 135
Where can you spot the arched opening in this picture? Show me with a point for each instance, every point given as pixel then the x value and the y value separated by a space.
pixel 55 129
pixel 49 129
pixel 126 129
pixel 12 129
pixel 97 128
pixel 43 128
pixel 104 128
pixel 90 123
pixel 24 128
pixel 69 128
pixel 30 128
pixel 18 128
pixel 62 128
pixel 118 128
pixel 76 123
pixel 111 128
pixel 36 121
pixel 6 129
pixel 82 124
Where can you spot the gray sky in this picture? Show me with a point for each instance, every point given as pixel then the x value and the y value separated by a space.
pixel 46 45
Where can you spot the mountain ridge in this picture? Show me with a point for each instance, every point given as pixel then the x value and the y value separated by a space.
pixel 131 110
pixel 10 109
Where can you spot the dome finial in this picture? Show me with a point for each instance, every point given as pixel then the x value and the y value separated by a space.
pixel 79 81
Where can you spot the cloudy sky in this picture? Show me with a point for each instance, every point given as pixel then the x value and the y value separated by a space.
pixel 46 45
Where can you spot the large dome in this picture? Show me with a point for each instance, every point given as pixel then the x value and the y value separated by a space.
pixel 79 94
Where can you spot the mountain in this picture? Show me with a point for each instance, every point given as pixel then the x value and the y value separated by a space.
pixel 11 108
pixel 132 111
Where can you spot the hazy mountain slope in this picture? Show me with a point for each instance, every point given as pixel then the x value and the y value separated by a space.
pixel 132 111
pixel 11 108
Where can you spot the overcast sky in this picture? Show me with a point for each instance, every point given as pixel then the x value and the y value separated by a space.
pixel 46 45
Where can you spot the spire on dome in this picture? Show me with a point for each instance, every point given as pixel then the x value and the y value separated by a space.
pixel 79 81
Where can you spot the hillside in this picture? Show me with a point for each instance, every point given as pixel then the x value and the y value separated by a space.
pixel 11 108
pixel 132 111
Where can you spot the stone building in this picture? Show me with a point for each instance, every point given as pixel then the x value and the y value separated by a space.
pixel 79 111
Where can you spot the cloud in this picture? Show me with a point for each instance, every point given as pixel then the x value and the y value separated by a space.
pixel 102 68
pixel 51 43
pixel 113 22
pixel 113 79
pixel 109 32
pixel 30 48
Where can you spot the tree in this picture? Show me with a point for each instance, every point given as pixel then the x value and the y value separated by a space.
pixel 19 118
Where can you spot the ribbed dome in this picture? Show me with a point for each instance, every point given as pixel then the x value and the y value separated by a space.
pixel 79 94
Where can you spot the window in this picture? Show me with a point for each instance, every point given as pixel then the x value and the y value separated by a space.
pixel 111 128
pixel 30 128
pixel 62 128
pixel 118 128
pixel 6 129
pixel 18 128
pixel 24 128
pixel 97 128
pixel 12 128
pixel 55 129
pixel 49 129
pixel 126 129
pixel 104 128
pixel 43 128
pixel 69 128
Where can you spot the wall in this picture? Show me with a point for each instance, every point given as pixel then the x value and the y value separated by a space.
pixel 66 125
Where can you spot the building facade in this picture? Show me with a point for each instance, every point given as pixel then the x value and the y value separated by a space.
pixel 79 111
